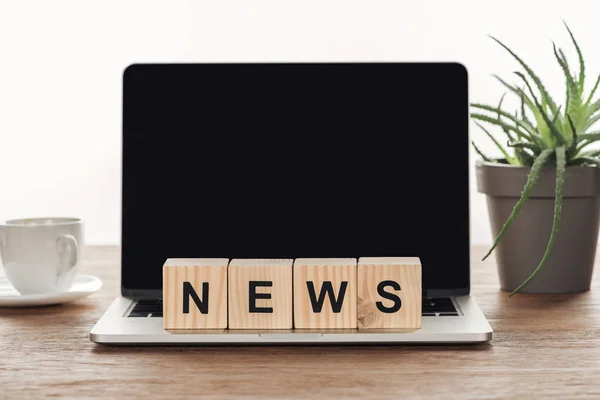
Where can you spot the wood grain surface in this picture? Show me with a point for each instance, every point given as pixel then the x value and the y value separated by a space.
pixel 404 271
pixel 340 275
pixel 277 273
pixel 543 347
pixel 198 272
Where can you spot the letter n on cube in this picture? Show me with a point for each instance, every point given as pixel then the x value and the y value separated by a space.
pixel 195 293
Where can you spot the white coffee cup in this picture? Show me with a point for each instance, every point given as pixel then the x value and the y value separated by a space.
pixel 41 255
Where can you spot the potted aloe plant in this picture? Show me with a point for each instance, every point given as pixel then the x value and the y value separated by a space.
pixel 544 193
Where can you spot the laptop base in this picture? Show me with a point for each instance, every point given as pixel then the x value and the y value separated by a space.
pixel 115 328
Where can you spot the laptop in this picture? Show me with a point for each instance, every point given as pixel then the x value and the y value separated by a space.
pixel 295 160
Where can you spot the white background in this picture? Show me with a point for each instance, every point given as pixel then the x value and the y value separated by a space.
pixel 61 65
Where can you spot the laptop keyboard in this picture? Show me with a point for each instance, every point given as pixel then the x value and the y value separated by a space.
pixel 439 307
pixel 432 307
pixel 146 308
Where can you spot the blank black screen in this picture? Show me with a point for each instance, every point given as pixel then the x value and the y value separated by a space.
pixel 295 160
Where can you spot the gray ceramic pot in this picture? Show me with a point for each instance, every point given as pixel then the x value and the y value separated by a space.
pixel 570 265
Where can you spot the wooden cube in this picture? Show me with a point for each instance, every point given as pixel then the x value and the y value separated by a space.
pixel 325 291
pixel 260 294
pixel 389 292
pixel 195 293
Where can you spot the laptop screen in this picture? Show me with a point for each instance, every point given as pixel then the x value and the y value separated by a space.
pixel 295 160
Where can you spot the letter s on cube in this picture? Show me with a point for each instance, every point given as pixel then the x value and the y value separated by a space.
pixel 389 292
pixel 195 293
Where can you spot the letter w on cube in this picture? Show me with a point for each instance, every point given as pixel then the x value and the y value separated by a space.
pixel 325 293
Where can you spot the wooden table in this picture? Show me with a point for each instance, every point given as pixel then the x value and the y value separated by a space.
pixel 543 346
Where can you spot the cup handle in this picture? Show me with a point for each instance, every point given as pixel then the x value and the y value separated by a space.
pixel 68 250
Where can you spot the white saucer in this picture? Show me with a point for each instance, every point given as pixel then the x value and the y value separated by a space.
pixel 83 286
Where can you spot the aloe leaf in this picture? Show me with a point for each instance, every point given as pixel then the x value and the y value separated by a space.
pixel 590 136
pixel 527 127
pixel 523 113
pixel 532 179
pixel 593 108
pixel 495 121
pixel 590 122
pixel 550 124
pixel 507 156
pixel 589 111
pixel 581 63
pixel 560 180
pixel 594 153
pixel 519 92
pixel 483 156
pixel 564 58
pixel 593 161
pixel 583 157
pixel 564 65
pixel 573 162
pixel 526 100
pixel 555 118
pixel 524 157
pixel 572 147
pixel 545 96
pixel 542 129
pixel 519 145
pixel 586 139
pixel 573 95
pixel 499 116
pixel 589 99
pixel 500 102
